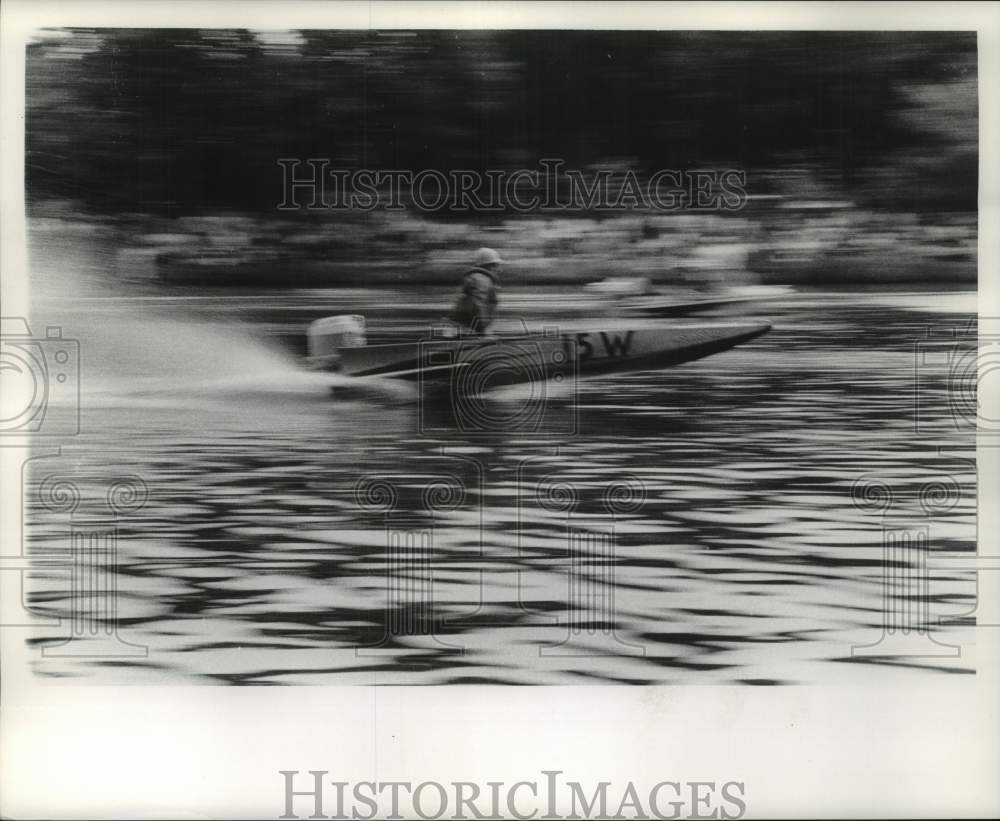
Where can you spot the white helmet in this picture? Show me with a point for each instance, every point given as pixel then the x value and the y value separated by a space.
pixel 487 256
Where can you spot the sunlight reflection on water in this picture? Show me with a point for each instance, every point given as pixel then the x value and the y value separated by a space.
pixel 743 558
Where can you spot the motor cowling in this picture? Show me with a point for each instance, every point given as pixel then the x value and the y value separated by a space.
pixel 327 336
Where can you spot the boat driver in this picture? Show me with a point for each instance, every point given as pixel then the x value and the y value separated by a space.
pixel 476 305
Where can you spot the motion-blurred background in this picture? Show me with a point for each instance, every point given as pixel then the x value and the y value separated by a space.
pixel 860 151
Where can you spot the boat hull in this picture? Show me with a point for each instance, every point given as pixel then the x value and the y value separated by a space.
pixel 483 363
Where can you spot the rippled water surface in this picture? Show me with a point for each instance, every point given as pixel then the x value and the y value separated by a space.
pixel 695 525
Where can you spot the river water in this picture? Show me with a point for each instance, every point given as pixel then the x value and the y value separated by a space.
pixel 724 521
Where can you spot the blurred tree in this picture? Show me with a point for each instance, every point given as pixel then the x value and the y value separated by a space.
pixel 182 121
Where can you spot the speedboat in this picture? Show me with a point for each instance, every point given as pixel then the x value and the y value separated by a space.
pixel 547 352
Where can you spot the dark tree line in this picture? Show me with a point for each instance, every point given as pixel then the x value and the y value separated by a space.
pixel 184 121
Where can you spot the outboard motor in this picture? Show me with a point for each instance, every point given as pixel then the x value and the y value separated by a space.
pixel 326 336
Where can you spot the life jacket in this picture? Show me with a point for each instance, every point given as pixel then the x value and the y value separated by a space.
pixel 477 302
pixel 481 286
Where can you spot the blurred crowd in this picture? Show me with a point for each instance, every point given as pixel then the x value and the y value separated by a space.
pixel 769 241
